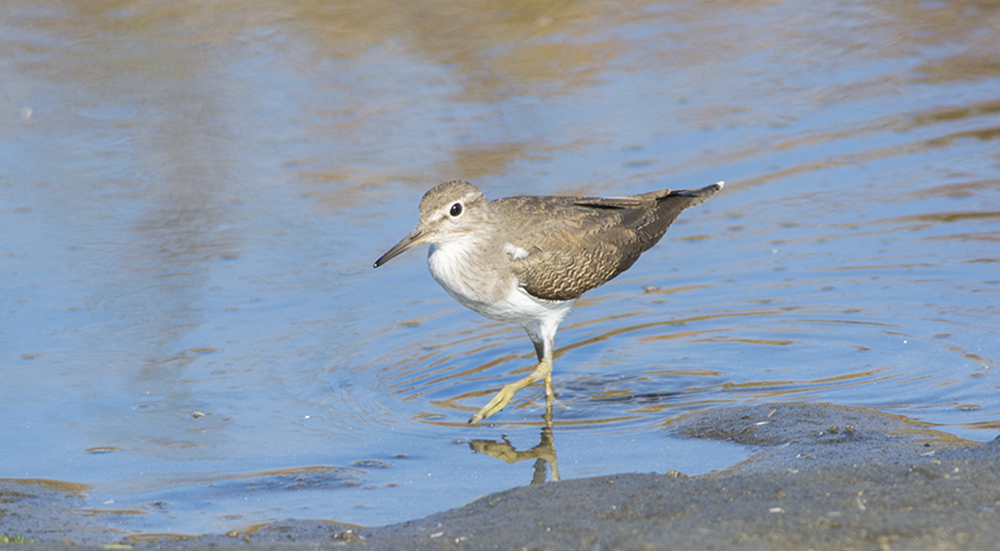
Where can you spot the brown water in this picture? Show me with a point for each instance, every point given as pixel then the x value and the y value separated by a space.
pixel 192 195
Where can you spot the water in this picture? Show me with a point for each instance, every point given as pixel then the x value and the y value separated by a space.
pixel 192 194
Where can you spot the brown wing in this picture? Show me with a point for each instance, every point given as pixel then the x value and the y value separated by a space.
pixel 576 244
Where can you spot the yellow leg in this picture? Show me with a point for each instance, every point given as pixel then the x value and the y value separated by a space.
pixel 502 398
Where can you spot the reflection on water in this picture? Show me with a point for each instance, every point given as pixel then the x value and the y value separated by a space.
pixel 191 195
pixel 544 453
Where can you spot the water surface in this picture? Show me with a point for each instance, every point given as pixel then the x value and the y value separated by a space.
pixel 192 195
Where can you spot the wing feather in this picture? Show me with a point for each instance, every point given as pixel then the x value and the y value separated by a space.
pixel 576 244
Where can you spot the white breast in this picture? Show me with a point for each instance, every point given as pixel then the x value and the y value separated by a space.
pixel 487 289
pixel 455 268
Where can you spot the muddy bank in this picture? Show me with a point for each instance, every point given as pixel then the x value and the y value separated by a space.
pixel 821 477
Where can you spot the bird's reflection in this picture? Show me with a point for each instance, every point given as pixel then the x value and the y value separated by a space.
pixel 544 453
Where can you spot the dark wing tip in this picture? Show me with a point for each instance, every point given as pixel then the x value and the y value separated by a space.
pixel 699 195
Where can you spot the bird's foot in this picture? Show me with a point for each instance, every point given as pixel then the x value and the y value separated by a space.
pixel 502 398
pixel 498 402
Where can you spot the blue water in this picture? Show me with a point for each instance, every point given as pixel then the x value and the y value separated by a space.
pixel 191 198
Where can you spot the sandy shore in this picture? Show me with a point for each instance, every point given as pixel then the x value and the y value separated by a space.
pixel 823 477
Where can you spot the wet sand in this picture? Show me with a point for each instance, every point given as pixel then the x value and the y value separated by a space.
pixel 822 477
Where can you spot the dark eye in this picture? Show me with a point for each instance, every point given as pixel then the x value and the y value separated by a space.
pixel 456 209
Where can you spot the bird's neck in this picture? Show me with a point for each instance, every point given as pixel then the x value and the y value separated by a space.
pixel 472 269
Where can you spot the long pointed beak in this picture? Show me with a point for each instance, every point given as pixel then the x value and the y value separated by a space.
pixel 415 238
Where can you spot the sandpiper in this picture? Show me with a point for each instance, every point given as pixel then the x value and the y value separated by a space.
pixel 527 259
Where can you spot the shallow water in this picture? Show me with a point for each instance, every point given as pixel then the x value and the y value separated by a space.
pixel 192 195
